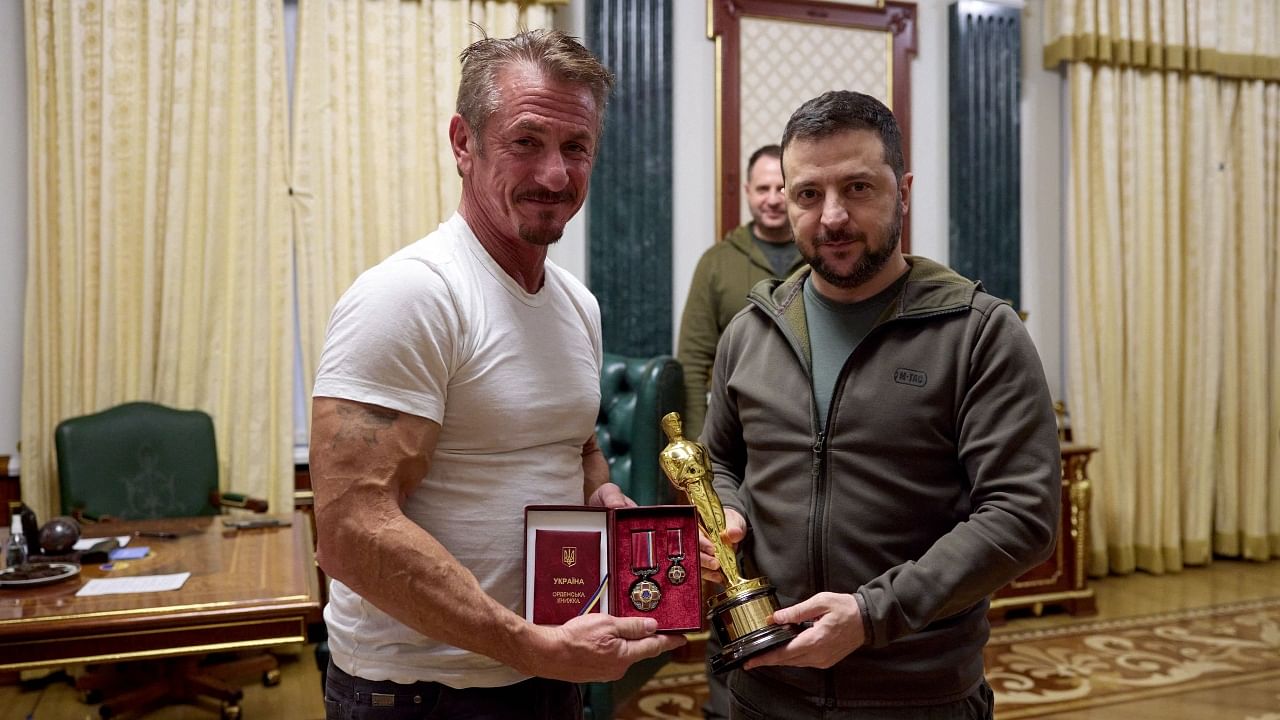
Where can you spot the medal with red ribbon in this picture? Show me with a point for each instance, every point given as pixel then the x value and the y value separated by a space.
pixel 645 593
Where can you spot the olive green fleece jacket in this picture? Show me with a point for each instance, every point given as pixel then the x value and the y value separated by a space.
pixel 936 481
pixel 725 274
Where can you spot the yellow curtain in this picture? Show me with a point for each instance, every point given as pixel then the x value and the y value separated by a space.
pixel 372 170
pixel 158 252
pixel 1173 367
pixel 1228 38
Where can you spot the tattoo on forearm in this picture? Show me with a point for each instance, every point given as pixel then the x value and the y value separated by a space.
pixel 358 423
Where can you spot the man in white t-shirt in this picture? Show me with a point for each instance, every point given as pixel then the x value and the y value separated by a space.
pixel 459 383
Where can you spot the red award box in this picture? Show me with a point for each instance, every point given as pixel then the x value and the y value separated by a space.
pixel 628 562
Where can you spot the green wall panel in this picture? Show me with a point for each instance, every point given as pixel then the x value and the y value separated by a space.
pixel 629 208
pixel 985 179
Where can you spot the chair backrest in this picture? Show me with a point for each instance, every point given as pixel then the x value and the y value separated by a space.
pixel 137 460
pixel 634 395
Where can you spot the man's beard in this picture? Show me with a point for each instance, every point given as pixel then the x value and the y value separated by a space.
pixel 540 235
pixel 872 261
pixel 544 234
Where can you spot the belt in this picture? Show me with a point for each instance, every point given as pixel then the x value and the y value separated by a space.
pixel 379 699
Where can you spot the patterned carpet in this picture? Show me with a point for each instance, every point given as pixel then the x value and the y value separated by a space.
pixel 1092 664
pixel 1082 666
pixel 677 692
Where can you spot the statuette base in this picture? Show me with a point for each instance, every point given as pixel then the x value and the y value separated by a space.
pixel 739 617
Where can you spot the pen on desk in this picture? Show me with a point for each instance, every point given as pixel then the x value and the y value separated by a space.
pixel 156 534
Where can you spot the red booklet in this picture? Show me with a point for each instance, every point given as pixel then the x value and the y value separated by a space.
pixel 566 574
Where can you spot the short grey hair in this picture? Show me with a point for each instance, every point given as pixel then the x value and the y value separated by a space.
pixel 556 54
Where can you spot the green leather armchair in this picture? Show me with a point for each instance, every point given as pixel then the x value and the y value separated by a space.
pixel 137 460
pixel 634 395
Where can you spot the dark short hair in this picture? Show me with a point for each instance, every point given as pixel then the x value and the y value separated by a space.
pixel 556 54
pixel 840 110
pixel 773 151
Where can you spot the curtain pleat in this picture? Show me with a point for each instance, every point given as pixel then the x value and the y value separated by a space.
pixel 1172 262
pixel 1228 38
pixel 1172 249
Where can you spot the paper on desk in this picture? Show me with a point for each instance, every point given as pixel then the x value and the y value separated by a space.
pixel 86 543
pixel 134 584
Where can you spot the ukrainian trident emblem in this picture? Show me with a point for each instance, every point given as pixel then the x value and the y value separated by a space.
pixel 569 556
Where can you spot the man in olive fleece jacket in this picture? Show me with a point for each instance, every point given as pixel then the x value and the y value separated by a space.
pixel 727 271
pixel 883 442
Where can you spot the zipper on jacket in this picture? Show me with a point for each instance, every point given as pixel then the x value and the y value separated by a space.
pixel 817 557
pixel 816 546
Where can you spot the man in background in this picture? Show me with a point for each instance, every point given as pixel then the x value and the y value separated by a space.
pixel 758 250
pixel 883 443
pixel 459 383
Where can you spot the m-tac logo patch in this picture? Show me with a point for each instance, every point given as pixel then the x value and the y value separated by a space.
pixel 905 376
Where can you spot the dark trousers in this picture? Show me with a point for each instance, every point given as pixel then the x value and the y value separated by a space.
pixel 353 698
pixel 753 700
pixel 717 705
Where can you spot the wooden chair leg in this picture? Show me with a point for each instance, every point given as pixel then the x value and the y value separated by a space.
pixel 200 684
pixel 181 679
pixel 98 677
pixel 245 667
pixel 136 699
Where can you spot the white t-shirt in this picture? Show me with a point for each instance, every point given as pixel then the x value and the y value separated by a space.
pixel 439 330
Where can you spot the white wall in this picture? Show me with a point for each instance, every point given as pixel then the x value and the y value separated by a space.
pixel 13 218
pixel 693 212
pixel 693 184
pixel 929 199
pixel 1043 201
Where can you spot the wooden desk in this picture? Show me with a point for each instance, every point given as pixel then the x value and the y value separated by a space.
pixel 248 589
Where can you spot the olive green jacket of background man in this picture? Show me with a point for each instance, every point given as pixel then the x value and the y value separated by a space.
pixel 725 274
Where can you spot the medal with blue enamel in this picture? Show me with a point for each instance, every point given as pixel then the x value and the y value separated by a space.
pixel 645 593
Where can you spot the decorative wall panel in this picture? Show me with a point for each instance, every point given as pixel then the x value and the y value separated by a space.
pixel 784 63
pixel 629 208
pixel 985 175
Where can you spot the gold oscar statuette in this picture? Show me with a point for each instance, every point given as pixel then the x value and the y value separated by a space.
pixel 739 614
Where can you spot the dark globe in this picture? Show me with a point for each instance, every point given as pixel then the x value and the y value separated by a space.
pixel 58 535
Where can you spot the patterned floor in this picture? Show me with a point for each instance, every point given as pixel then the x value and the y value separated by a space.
pixel 677 692
pixel 1088 665
pixel 1082 667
